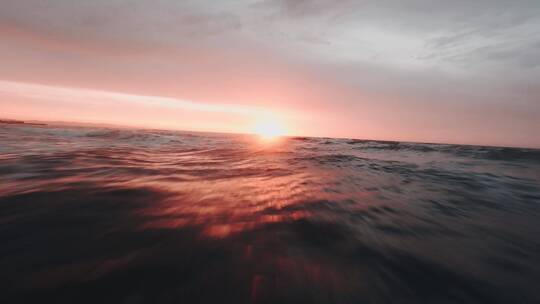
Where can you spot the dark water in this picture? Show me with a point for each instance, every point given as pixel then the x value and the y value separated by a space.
pixel 110 216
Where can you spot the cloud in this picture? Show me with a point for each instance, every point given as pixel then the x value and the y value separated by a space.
pixel 114 25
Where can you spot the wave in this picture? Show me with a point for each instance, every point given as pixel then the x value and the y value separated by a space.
pixel 157 216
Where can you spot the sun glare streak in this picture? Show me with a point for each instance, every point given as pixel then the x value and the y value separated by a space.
pixel 99 97
pixel 85 105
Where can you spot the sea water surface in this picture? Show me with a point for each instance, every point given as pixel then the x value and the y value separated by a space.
pixel 96 215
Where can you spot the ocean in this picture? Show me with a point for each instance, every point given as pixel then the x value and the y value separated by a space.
pixel 102 215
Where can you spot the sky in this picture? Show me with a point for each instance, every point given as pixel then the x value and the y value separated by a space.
pixel 431 71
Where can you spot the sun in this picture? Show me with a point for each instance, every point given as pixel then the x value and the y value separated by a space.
pixel 269 129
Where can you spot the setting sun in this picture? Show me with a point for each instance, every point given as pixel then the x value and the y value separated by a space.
pixel 269 129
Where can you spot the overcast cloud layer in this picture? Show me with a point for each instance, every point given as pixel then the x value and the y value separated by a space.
pixel 442 71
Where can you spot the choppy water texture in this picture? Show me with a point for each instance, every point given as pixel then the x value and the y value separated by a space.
pixel 123 216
